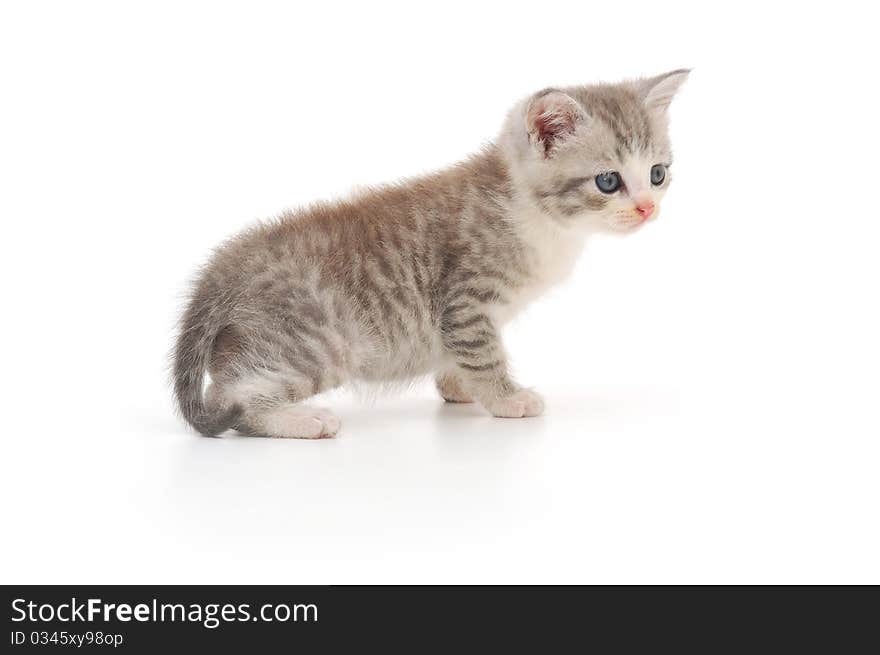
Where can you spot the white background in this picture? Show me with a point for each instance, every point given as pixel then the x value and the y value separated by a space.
pixel 711 382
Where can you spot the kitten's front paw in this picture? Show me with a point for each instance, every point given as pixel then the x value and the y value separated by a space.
pixel 517 405
pixel 452 390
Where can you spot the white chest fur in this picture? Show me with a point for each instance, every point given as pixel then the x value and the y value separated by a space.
pixel 551 251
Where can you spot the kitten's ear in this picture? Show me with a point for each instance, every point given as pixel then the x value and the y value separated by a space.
pixel 551 117
pixel 657 92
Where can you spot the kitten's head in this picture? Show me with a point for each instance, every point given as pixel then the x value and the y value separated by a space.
pixel 595 155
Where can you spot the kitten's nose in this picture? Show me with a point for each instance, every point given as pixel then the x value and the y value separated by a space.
pixel 645 209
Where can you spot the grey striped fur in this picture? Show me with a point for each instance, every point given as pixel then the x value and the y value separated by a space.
pixel 415 278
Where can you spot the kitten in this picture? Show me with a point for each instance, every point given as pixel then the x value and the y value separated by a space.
pixel 419 277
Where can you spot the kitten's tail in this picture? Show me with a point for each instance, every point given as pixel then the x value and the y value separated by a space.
pixel 191 356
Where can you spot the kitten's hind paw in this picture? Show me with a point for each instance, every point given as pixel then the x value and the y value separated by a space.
pixel 299 422
pixel 521 404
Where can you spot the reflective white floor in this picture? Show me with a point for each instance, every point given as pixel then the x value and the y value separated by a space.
pixel 621 484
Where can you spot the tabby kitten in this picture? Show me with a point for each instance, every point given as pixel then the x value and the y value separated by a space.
pixel 419 277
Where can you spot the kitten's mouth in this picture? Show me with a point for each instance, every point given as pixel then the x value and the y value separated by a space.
pixel 628 224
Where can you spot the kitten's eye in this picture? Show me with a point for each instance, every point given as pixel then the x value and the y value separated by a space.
pixel 608 182
pixel 658 174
